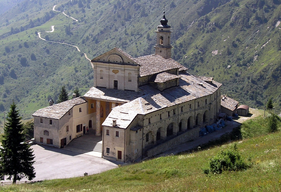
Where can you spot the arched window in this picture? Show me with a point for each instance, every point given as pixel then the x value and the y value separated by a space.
pixel 189 123
pixel 158 135
pixel 170 129
pixel 197 119
pixel 161 40
pixel 147 137
pixel 101 74
pixel 129 77
pixel 46 132
pixel 205 117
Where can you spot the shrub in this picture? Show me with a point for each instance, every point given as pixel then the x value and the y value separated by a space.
pixel 272 124
pixel 229 160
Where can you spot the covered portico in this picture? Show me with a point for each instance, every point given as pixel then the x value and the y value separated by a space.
pixel 101 101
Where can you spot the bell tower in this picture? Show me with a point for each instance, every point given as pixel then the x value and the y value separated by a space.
pixel 163 45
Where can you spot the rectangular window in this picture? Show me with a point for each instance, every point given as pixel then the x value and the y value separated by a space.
pixel 107 132
pixel 78 128
pixel 67 128
pixel 190 107
pixel 181 109
pixel 41 139
pixel 117 134
pixel 70 138
pixel 149 121
pixel 41 120
pixel 80 110
pixel 51 122
pixel 168 113
pixel 92 105
pixel 160 117
pixel 107 150
pixel 174 111
pixel 198 104
pixel 147 137
pixel 50 141
pixel 68 112
pixel 206 101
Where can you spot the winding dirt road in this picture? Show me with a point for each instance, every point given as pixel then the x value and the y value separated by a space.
pixel 62 43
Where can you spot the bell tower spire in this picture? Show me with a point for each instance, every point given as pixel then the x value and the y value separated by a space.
pixel 163 45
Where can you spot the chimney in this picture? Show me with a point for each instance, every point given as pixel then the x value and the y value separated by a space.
pixel 114 123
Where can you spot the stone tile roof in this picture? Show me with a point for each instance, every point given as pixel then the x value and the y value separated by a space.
pixel 228 103
pixel 152 64
pixel 113 95
pixel 57 111
pixel 246 107
pixel 207 79
pixel 190 88
pixel 164 77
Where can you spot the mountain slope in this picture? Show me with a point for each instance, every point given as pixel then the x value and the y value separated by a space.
pixel 33 70
pixel 239 44
pixel 235 41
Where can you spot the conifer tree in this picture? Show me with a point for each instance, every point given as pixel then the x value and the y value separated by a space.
pixel 76 92
pixel 16 157
pixel 63 95
pixel 269 104
pixel 272 125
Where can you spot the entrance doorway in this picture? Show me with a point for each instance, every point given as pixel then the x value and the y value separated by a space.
pixel 115 84
pixel 119 157
pixel 63 142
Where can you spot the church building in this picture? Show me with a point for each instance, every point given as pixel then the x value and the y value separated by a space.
pixel 141 106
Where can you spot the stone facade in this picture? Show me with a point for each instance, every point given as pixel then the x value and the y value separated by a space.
pixel 59 124
pixel 141 106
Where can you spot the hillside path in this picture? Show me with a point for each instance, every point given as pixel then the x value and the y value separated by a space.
pixel 62 43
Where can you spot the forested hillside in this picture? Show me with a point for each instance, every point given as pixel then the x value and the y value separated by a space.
pixel 6 5
pixel 46 44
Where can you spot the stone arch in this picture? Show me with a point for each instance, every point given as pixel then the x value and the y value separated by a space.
pixel 170 129
pixel 198 119
pixel 101 74
pixel 149 138
pixel 189 122
pixel 161 40
pixel 46 133
pixel 206 117
pixel 129 77
pixel 182 125
pixel 115 58
pixel 158 134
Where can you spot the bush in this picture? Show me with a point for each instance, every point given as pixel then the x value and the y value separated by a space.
pixel 272 124
pixel 229 160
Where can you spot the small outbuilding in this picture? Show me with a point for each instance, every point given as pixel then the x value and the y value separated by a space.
pixel 228 105
pixel 243 110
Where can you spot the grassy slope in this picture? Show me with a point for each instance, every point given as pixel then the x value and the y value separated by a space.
pixel 184 172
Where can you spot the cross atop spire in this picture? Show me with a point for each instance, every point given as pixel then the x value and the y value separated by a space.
pixel 164 21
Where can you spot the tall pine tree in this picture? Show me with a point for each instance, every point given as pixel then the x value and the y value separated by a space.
pixel 63 95
pixel 16 157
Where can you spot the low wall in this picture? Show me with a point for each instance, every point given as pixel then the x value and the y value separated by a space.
pixel 182 138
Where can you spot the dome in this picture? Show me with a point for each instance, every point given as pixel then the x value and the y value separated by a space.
pixel 164 21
